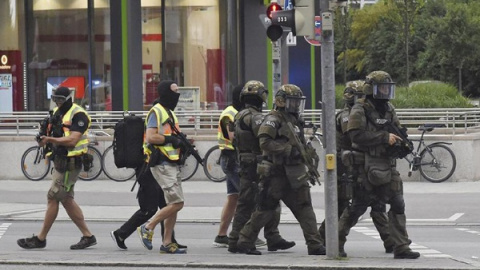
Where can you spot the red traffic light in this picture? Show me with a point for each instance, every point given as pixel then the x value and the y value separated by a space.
pixel 273 7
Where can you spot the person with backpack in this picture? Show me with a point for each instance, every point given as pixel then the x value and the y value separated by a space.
pixel 150 196
pixel 163 151
pixel 67 132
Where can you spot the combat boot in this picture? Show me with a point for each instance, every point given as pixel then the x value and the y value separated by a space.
pixel 408 254
pixel 244 249
pixel 232 245
pixel 341 252
pixel 282 245
pixel 317 251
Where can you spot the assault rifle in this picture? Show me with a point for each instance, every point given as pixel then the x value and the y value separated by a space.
pixel 189 148
pixel 401 148
pixel 312 174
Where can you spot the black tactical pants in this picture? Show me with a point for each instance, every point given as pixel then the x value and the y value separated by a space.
pixel 298 201
pixel 246 205
pixel 150 199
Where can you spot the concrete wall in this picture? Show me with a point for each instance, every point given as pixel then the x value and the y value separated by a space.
pixel 466 148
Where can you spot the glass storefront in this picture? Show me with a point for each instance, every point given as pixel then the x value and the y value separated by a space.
pixel 68 43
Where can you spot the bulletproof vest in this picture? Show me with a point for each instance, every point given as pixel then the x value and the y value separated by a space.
pixel 247 123
pixel 377 123
pixel 343 139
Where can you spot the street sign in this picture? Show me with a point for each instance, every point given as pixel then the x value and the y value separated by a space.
pixel 291 39
pixel 316 40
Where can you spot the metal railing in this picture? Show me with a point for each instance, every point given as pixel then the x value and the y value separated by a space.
pixel 463 120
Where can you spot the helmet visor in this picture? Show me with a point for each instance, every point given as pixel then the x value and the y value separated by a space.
pixel 384 91
pixel 295 104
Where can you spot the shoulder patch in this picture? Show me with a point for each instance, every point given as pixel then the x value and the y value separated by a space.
pixel 81 123
pixel 270 123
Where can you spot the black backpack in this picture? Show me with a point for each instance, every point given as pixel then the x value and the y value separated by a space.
pixel 128 142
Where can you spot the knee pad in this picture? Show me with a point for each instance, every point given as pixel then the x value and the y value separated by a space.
pixel 397 205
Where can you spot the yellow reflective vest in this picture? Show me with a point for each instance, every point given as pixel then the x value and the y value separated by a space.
pixel 223 142
pixel 162 116
pixel 82 145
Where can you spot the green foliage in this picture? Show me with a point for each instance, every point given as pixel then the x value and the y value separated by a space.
pixel 424 95
pixel 412 40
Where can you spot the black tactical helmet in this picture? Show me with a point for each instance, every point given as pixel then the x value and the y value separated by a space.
pixel 380 85
pixel 254 89
pixel 290 97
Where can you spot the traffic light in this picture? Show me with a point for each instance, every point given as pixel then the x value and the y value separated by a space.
pixel 300 19
pixel 273 7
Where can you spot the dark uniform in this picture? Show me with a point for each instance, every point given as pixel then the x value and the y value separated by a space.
pixel 247 124
pixel 280 172
pixel 379 178
pixel 347 173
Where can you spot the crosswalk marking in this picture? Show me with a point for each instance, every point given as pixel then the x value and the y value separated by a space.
pixel 468 231
pixel 424 251
pixel 3 228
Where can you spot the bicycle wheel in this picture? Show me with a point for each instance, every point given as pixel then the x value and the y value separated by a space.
pixel 188 169
pixel 437 163
pixel 34 164
pixel 96 168
pixel 111 170
pixel 212 168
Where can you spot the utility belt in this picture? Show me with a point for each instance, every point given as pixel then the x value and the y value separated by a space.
pixel 63 163
pixel 247 158
pixel 352 157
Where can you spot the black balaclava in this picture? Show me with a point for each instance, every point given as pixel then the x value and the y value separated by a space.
pixel 236 103
pixel 167 98
pixel 64 91
pixel 381 105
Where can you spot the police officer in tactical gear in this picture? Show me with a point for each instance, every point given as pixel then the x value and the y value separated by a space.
pixel 282 172
pixel 349 163
pixel 380 178
pixel 247 124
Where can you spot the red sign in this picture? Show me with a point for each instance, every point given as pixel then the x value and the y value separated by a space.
pixel 315 41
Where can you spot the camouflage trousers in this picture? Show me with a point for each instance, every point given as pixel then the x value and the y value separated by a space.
pixel 392 229
pixel 298 201
pixel 245 207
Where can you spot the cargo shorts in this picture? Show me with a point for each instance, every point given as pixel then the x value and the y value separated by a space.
pixel 168 178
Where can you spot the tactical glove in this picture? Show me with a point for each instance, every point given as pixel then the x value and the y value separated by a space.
pixel 176 142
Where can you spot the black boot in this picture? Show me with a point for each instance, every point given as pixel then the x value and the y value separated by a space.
pixel 408 254
pixel 244 249
pixel 341 252
pixel 317 251
pixel 282 245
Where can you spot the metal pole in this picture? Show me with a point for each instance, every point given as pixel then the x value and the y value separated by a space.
pixel 277 67
pixel 328 112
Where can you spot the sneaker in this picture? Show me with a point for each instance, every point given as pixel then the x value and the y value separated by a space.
pixel 172 248
pixel 260 243
pixel 85 242
pixel 180 246
pixel 221 241
pixel 32 242
pixel 120 242
pixel 146 236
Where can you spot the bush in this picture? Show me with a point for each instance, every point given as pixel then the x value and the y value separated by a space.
pixel 424 95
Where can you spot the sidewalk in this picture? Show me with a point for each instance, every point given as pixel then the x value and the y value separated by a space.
pixel 105 255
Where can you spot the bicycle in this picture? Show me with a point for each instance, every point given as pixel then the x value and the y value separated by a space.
pixel 111 170
pixel 212 168
pixel 315 140
pixel 36 165
pixel 436 162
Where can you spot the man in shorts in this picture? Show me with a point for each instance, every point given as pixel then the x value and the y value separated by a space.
pixel 67 134
pixel 163 144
